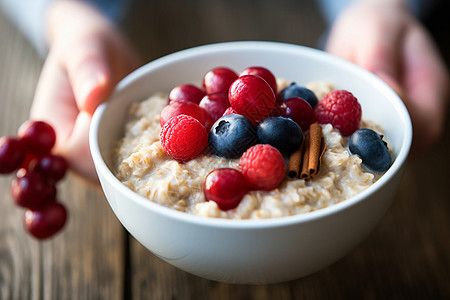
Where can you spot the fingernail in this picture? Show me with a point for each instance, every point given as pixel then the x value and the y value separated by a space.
pixel 91 93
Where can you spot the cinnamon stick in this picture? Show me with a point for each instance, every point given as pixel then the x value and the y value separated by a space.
pixel 304 174
pixel 305 162
pixel 316 138
pixel 295 162
pixel 314 149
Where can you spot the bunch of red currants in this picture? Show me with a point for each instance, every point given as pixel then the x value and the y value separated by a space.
pixel 37 173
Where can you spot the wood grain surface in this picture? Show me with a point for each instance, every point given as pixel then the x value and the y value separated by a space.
pixel 407 256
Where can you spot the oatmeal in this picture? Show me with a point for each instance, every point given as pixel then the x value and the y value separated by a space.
pixel 143 166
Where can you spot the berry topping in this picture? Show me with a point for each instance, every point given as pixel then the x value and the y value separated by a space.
pixel 39 137
pixel 294 90
pixel 12 154
pixel 218 80
pixel 32 190
pixel 226 187
pixel 231 135
pixel 186 92
pixel 183 137
pixel 46 221
pixel 277 111
pixel 298 110
pixel 176 108
pixel 229 111
pixel 52 166
pixel 34 184
pixel 341 109
pixel 264 74
pixel 371 148
pixel 215 105
pixel 263 167
pixel 252 97
pixel 282 133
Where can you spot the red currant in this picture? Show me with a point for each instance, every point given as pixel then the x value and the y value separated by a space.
pixel 298 110
pixel 12 154
pixel 32 190
pixel 218 80
pixel 176 108
pixel 52 166
pixel 215 105
pixel 38 136
pixel 264 74
pixel 186 92
pixel 44 222
pixel 226 187
pixel 230 110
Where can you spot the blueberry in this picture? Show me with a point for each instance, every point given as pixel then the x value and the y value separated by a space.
pixel 282 133
pixel 294 90
pixel 371 148
pixel 231 135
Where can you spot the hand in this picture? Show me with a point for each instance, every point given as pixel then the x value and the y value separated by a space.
pixel 384 38
pixel 87 57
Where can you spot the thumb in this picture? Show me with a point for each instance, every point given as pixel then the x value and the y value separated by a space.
pixel 90 74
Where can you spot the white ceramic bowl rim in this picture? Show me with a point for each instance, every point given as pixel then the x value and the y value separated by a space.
pixel 102 167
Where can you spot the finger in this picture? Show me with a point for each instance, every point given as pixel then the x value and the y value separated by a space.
pixel 89 72
pixel 77 148
pixel 54 100
pixel 57 106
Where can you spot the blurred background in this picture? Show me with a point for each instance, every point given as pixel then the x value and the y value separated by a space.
pixel 182 24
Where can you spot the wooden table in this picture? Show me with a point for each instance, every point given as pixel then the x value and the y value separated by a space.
pixel 406 257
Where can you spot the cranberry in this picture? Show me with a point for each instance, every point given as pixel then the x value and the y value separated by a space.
pixel 226 187
pixel 52 166
pixel 298 110
pixel 176 108
pixel 252 97
pixel 32 190
pixel 12 154
pixel 229 111
pixel 38 136
pixel 44 222
pixel 215 105
pixel 218 80
pixel 264 74
pixel 186 92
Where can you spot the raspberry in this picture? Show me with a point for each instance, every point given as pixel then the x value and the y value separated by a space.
pixel 183 137
pixel 341 109
pixel 263 167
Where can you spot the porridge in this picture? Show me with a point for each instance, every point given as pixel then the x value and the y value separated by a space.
pixel 143 165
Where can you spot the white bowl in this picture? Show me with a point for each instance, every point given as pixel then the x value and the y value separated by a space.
pixel 251 251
